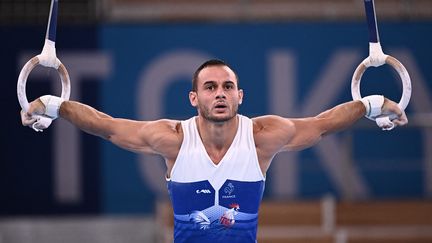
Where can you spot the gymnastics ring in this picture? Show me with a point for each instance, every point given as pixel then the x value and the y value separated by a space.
pixel 377 58
pixel 47 58
pixel 25 71
pixel 401 70
pixel 42 120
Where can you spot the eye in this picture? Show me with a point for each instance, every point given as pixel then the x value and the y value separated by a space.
pixel 210 87
pixel 229 86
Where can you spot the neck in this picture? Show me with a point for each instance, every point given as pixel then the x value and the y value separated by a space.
pixel 217 134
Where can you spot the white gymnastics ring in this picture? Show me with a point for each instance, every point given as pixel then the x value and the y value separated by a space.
pixel 22 80
pixel 401 70
pixel 21 86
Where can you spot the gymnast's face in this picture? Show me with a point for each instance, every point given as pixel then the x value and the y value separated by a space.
pixel 217 96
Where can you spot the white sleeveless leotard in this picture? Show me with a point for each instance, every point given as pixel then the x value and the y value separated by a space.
pixel 216 203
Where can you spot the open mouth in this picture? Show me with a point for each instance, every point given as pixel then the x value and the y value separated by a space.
pixel 220 107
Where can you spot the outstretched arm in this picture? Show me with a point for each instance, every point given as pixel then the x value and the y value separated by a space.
pixel 155 137
pixel 274 134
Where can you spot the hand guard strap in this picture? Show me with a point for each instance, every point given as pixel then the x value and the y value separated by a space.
pixel 373 105
pixel 52 105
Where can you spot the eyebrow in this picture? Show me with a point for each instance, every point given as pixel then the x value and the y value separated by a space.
pixel 209 82
pixel 213 82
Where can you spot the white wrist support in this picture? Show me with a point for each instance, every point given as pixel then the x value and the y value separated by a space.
pixel 52 105
pixel 373 105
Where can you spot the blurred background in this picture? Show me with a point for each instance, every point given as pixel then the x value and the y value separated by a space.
pixel 135 59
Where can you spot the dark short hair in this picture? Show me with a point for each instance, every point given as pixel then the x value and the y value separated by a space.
pixel 209 63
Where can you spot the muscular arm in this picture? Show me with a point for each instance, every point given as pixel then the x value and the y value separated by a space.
pixel 87 118
pixel 274 134
pixel 155 137
pixel 308 131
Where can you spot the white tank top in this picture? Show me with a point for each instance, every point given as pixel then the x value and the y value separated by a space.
pixel 217 203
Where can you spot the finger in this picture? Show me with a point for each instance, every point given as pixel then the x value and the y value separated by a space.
pixel 28 122
pixel 391 107
pixel 393 110
pixel 26 115
pixel 26 119
pixel 401 120
pixel 398 123
pixel 39 126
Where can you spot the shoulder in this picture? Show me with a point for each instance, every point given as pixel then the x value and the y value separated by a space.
pixel 159 125
pixel 271 132
pixel 163 136
pixel 272 123
pixel 172 125
pixel 163 127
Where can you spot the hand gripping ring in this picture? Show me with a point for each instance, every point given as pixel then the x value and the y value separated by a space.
pixel 21 89
pixel 22 80
pixel 403 74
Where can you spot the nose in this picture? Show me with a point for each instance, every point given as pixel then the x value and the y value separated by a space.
pixel 220 94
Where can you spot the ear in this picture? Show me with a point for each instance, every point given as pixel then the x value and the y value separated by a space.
pixel 240 93
pixel 193 99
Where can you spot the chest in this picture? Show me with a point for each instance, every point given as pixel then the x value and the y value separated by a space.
pixel 215 155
